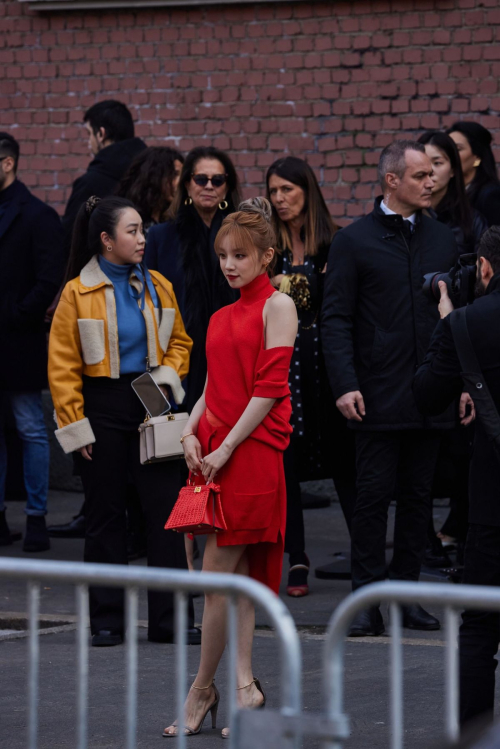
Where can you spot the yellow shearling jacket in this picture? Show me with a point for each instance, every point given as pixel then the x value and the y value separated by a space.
pixel 84 341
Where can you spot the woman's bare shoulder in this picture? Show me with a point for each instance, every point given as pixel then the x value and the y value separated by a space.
pixel 280 303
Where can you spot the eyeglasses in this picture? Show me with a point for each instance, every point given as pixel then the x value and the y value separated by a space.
pixel 202 180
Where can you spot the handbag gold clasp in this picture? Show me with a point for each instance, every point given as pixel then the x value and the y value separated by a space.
pixel 197 489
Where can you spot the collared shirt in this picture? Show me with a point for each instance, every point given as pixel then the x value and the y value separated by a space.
pixel 388 212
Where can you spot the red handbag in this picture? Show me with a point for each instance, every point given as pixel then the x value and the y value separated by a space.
pixel 198 510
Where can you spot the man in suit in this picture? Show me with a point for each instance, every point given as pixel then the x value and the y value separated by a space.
pixel 376 327
pixel 437 383
pixel 32 269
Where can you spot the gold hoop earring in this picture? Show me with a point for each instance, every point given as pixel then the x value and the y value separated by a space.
pixel 223 205
pixel 109 248
pixel 477 163
pixel 188 201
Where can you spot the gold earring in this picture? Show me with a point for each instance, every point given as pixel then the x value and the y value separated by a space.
pixel 109 248
pixel 223 205
pixel 477 163
pixel 188 201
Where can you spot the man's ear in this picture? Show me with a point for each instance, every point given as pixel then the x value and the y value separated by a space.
pixel 486 269
pixel 392 180
pixel 101 135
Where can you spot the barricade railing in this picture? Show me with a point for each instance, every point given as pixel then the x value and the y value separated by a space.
pixel 132 579
pixel 445 596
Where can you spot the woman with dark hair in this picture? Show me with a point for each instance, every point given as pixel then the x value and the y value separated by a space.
pixel 182 249
pixel 151 181
pixel 305 231
pixel 449 203
pixel 473 142
pixel 114 321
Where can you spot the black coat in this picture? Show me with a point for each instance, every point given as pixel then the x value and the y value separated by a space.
pixel 32 265
pixel 101 178
pixel 183 252
pixel 479 226
pixel 486 200
pixel 376 321
pixel 437 383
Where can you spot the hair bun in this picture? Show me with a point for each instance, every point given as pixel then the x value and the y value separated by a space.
pixel 259 205
pixel 91 204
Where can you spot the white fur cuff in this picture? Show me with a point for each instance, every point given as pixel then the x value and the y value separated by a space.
pixel 76 435
pixel 167 376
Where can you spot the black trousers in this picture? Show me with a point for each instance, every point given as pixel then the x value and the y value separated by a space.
pixel 294 537
pixel 480 630
pixel 384 460
pixel 115 413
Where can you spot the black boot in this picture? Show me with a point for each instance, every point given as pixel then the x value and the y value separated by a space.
pixel 36 538
pixel 74 529
pixel 5 537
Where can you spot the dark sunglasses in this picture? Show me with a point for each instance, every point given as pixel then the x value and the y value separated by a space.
pixel 202 180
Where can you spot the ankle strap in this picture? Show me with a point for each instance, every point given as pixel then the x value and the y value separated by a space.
pixel 202 688
pixel 246 685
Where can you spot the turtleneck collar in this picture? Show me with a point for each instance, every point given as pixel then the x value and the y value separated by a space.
pixel 114 271
pixel 258 289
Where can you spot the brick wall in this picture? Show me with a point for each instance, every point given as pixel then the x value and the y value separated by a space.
pixel 331 82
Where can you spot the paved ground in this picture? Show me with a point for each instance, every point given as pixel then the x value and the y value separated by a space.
pixel 366 662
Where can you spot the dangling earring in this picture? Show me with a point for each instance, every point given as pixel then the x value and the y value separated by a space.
pixel 109 248
pixel 477 163
pixel 188 201
pixel 223 205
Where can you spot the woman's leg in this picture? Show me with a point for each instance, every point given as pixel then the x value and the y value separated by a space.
pixel 213 638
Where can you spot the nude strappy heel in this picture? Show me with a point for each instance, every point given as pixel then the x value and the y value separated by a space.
pixel 212 709
pixel 225 731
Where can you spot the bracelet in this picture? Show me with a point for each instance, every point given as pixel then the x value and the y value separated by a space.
pixel 189 434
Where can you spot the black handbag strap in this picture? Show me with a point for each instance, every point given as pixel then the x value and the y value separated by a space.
pixel 473 377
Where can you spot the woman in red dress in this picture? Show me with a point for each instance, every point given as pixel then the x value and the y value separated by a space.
pixel 236 434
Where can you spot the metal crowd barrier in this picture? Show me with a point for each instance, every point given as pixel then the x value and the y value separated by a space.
pixel 182 583
pixel 449 597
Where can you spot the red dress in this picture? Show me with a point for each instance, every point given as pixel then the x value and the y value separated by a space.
pixel 252 481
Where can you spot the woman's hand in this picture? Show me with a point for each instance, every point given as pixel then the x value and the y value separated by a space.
pixel 276 281
pixel 214 462
pixel 192 453
pixel 86 452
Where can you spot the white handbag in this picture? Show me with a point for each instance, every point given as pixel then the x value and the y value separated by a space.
pixel 160 437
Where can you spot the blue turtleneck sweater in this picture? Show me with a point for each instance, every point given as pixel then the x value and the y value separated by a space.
pixel 132 336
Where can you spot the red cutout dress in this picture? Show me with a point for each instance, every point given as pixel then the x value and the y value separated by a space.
pixel 252 481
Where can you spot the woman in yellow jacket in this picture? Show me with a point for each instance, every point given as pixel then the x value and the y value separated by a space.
pixel 114 321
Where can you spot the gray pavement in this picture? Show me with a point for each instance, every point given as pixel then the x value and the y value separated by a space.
pixel 366 661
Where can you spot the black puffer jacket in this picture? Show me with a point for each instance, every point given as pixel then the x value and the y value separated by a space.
pixel 376 321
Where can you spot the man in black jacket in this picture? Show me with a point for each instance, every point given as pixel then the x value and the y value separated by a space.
pixel 436 384
pixel 110 130
pixel 376 326
pixel 31 259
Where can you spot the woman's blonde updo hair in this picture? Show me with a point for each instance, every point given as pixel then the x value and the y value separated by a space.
pixel 250 227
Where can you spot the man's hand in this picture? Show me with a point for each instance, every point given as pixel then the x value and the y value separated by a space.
pixel 466 400
pixel 352 406
pixel 445 305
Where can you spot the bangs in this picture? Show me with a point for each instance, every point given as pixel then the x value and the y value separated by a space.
pixel 240 236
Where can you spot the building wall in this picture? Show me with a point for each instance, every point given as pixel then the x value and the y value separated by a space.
pixel 332 82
